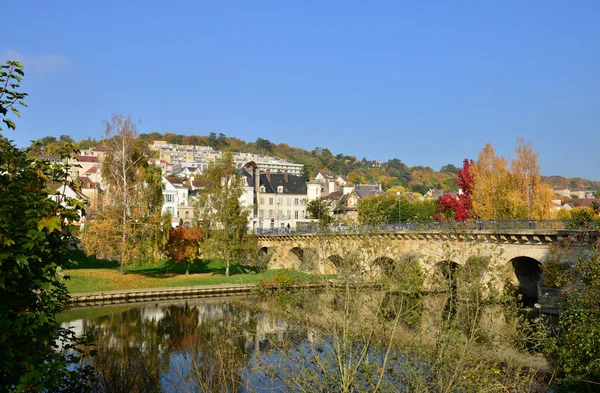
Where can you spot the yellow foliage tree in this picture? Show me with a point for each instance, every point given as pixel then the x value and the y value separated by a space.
pixel 510 190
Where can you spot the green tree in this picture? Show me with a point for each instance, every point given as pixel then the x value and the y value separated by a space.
pixel 575 351
pixel 264 145
pixel 11 75
pixel 35 222
pixel 223 219
pixel 319 209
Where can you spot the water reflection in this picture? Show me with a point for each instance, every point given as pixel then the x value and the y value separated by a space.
pixel 238 345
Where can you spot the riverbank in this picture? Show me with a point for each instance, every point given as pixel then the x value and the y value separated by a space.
pixel 96 275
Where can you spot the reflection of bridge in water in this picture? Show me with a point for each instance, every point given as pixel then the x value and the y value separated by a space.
pixel 517 254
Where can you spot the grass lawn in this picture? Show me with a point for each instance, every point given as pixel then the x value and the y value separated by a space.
pixel 92 275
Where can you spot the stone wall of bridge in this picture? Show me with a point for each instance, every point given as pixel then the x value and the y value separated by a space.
pixel 516 256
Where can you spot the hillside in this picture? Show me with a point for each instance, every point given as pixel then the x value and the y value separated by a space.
pixel 393 173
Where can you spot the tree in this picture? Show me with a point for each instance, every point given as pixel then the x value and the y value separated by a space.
pixel 515 193
pixel 526 179
pixel 575 350
pixel 459 208
pixel 132 203
pixel 183 245
pixel 492 185
pixel 224 220
pixel 319 209
pixel 449 169
pixel 264 145
pixel 34 237
pixel 11 75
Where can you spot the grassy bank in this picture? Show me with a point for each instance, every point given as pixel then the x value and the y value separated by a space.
pixel 92 275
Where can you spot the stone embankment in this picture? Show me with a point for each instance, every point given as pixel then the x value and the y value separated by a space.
pixel 105 298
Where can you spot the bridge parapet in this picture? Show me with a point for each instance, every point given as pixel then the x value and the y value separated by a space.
pixel 528 236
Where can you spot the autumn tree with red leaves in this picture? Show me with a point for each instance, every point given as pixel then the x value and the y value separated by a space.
pixel 459 208
pixel 183 245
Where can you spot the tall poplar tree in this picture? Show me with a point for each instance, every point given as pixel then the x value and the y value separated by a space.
pixel 509 190
pixel 223 219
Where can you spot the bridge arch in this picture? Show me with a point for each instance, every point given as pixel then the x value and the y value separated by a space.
pixel 387 266
pixel 445 276
pixel 525 273
pixel 263 257
pixel 303 259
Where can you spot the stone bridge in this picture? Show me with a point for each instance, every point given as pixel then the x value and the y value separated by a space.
pixel 515 255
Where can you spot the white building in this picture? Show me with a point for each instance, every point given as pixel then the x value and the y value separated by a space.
pixel 181 156
pixel 277 200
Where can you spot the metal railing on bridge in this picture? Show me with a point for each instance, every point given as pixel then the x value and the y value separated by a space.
pixel 471 225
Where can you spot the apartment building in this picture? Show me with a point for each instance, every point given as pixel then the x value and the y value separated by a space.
pixel 277 200
pixel 182 156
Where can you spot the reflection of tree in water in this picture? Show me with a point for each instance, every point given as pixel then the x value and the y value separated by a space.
pixel 407 307
pixel 148 350
pixel 129 355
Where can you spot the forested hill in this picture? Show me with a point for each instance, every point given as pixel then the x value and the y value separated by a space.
pixel 393 174
pixel 572 183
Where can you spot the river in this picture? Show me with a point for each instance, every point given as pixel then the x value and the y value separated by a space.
pixel 318 342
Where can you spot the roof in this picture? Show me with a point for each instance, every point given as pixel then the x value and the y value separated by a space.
pixel 92 170
pixel 333 195
pixel 365 190
pixel 99 148
pixel 585 202
pixel 87 158
pixel 327 175
pixel 174 180
pixel 293 185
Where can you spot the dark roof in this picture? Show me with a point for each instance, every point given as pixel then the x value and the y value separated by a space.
pixel 92 170
pixel 294 184
pixel 365 190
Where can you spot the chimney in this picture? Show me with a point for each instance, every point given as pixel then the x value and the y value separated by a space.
pixel 285 175
pixel 256 175
pixel 268 173
pixel 192 182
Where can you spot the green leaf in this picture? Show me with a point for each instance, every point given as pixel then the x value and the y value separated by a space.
pixel 49 223
pixel 9 123
pixel 15 111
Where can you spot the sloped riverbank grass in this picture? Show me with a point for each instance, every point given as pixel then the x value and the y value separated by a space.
pixel 94 275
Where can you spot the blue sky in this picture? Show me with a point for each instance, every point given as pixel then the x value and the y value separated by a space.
pixel 427 82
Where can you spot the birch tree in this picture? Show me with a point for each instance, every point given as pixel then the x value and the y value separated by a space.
pixel 223 219
pixel 129 222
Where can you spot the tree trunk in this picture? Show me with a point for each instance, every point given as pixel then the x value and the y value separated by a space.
pixel 187 268
pixel 227 268
pixel 122 269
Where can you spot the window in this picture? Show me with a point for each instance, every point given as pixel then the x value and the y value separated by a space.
pixel 280 189
pixel 262 200
pixel 261 213
pixel 168 198
pixel 289 214
pixel 270 212
pixel 296 214
pixel 187 214
pixel 296 201
pixel 263 189
pixel 289 201
pixel 270 201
